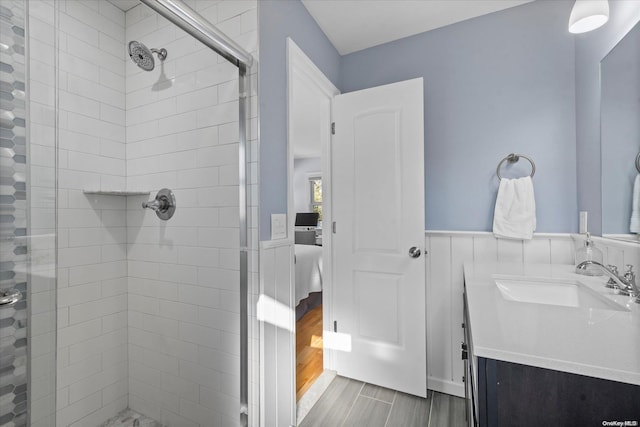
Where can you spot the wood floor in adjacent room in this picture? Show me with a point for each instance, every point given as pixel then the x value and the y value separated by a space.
pixel 351 403
pixel 308 350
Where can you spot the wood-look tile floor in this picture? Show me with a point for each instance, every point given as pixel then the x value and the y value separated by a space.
pixel 350 403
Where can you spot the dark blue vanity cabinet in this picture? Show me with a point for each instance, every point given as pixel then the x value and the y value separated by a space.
pixel 502 393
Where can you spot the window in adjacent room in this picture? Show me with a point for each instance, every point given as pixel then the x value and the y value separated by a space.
pixel 315 183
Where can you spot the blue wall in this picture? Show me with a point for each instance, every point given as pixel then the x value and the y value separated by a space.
pixel 590 49
pixel 512 81
pixel 497 84
pixel 277 20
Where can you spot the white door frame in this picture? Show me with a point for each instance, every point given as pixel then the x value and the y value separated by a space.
pixel 300 67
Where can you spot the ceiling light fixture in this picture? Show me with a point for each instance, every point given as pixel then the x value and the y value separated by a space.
pixel 587 15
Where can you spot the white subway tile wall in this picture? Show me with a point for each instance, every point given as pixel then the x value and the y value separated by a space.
pixel 147 309
pixel 183 274
pixel 41 195
pixel 92 259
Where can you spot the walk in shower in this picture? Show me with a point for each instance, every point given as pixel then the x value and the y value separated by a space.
pixel 125 212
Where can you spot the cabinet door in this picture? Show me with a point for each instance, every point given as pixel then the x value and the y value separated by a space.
pixel 528 396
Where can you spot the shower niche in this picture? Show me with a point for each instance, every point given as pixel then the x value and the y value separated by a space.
pixel 115 192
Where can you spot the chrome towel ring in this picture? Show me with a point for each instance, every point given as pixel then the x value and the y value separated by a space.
pixel 638 162
pixel 513 158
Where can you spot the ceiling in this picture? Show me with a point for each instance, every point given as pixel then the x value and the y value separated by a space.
pixel 124 4
pixel 353 25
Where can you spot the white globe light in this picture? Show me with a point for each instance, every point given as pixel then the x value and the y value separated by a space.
pixel 587 15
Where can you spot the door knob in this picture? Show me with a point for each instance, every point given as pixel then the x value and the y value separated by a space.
pixel 414 252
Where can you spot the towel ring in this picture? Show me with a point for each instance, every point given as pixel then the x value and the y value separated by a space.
pixel 513 158
pixel 638 162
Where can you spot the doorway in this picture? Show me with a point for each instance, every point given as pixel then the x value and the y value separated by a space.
pixel 371 289
pixel 309 204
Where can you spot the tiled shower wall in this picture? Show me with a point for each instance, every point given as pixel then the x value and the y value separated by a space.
pixel 13 214
pixel 98 312
pixel 182 134
pixel 28 214
pixel 41 193
pixel 92 264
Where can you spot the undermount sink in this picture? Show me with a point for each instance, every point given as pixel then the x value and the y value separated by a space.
pixel 566 293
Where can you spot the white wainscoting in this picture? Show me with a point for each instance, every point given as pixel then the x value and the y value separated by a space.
pixel 447 251
pixel 618 252
pixel 277 334
pixel 446 254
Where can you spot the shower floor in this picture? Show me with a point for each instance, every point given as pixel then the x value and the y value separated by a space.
pixel 128 417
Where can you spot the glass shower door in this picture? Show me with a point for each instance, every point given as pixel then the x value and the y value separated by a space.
pixel 27 217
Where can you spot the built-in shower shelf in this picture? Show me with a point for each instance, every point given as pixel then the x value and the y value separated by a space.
pixel 117 192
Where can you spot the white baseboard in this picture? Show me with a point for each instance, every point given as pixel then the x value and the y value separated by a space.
pixel 447 387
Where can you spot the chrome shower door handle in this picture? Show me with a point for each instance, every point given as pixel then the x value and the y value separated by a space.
pixel 415 252
pixel 9 297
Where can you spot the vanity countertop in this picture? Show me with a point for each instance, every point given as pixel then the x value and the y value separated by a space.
pixel 599 343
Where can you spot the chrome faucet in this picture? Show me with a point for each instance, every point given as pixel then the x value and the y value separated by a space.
pixel 626 283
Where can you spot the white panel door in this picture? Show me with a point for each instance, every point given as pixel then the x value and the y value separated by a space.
pixel 378 208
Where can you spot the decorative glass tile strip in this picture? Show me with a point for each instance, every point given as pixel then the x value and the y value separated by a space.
pixel 13 213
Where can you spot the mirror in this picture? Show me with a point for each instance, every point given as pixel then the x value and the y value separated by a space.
pixel 620 135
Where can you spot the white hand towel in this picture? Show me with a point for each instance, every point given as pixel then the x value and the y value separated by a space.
pixel 515 213
pixel 634 227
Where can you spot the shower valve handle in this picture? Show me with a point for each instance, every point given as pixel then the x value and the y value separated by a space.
pixel 164 204
pixel 156 205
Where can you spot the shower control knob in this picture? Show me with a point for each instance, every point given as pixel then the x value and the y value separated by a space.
pixel 164 204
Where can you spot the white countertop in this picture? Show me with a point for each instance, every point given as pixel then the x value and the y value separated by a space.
pixel 592 342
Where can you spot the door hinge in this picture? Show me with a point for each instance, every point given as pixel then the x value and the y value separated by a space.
pixel 465 353
pixel 333 227
pixel 333 128
pixel 335 326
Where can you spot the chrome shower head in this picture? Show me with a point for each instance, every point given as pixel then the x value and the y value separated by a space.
pixel 143 57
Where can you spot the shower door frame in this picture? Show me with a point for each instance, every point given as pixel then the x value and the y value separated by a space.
pixel 197 26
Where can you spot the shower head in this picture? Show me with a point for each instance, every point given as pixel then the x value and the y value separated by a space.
pixel 143 57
